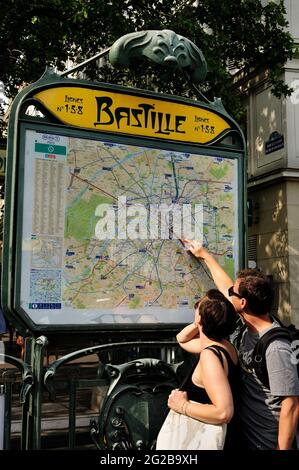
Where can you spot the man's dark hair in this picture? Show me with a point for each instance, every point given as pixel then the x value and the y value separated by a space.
pixel 217 315
pixel 256 288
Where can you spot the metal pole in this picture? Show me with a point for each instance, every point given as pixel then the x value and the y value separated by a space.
pixel 72 413
pixel 82 65
pixel 7 413
pixel 39 350
pixel 2 415
pixel 27 406
pixel 2 401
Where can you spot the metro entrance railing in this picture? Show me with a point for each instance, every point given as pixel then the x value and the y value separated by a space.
pixel 32 385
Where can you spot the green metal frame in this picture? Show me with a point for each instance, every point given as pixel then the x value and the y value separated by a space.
pixel 162 47
pixel 15 169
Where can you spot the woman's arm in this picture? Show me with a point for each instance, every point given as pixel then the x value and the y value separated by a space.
pixel 188 338
pixel 218 389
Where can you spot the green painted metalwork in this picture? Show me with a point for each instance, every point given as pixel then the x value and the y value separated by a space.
pixel 26 371
pixel 26 387
pixel 72 413
pixel 162 47
pixel 53 368
pixel 12 228
pixel 7 414
pixel 31 418
pixel 112 379
pixel 39 353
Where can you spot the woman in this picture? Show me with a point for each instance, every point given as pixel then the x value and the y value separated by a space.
pixel 207 392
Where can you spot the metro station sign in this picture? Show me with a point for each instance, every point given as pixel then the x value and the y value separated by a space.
pixel 125 113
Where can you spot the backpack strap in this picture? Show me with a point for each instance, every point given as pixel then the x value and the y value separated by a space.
pixel 278 320
pixel 259 353
pixel 236 338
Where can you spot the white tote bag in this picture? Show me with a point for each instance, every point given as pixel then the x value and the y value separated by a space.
pixel 180 432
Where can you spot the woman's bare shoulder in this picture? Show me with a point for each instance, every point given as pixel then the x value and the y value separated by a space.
pixel 225 345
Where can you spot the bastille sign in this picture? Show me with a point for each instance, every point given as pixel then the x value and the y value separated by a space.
pixel 124 113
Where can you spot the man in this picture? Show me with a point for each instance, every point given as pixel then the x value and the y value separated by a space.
pixel 268 416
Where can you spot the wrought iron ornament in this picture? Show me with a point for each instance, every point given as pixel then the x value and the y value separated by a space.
pixel 162 47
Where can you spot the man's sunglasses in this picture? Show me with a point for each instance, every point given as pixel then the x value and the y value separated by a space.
pixel 231 292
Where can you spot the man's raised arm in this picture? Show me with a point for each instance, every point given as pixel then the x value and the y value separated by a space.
pixel 221 279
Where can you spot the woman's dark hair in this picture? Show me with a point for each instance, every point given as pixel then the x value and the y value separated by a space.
pixel 217 315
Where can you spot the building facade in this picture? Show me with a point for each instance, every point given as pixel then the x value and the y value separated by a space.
pixel 273 179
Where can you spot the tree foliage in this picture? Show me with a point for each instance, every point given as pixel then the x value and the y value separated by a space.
pixel 241 34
